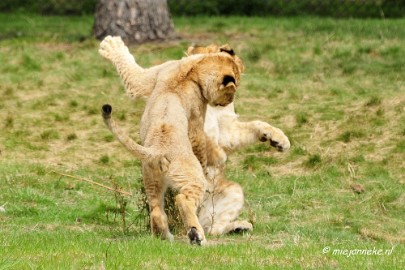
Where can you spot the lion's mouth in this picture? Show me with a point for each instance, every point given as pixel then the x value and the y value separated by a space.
pixel 223 104
pixel 228 99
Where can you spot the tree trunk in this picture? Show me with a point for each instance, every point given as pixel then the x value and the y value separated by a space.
pixel 135 21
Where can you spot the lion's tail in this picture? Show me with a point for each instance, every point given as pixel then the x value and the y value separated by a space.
pixel 139 151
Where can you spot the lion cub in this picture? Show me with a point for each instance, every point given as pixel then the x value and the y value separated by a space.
pixel 172 134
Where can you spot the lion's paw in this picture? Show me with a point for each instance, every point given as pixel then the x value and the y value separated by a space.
pixel 276 137
pixel 196 237
pixel 112 47
pixel 242 226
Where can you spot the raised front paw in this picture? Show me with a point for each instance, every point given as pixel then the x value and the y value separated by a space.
pixel 113 47
pixel 276 137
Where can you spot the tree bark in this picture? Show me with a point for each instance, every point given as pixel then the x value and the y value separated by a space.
pixel 135 21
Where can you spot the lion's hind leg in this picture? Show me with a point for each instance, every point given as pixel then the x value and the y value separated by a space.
pixel 187 178
pixel 158 222
pixel 187 206
pixel 221 208
pixel 155 189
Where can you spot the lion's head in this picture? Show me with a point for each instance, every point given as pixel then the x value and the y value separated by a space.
pixel 217 75
pixel 224 67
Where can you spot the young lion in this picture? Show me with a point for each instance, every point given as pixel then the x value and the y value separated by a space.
pixel 173 137
pixel 224 199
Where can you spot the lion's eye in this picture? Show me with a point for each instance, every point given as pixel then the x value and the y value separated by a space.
pixel 228 79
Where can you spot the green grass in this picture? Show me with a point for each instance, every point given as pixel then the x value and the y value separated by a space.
pixel 336 87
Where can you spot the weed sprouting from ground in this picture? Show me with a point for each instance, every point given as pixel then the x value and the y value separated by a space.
pixel 50 134
pixel 121 206
pixel 73 103
pixel 71 137
pixel 374 101
pixel 348 136
pixel 135 219
pixel 104 159
pixel 109 138
pixel 313 161
pixel 9 121
pixel 173 215
pixel 301 118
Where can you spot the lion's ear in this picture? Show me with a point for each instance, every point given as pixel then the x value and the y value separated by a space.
pixel 190 50
pixel 226 48
pixel 196 49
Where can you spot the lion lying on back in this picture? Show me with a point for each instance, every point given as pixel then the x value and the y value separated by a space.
pixel 224 201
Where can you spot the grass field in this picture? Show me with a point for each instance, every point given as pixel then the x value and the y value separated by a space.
pixel 336 87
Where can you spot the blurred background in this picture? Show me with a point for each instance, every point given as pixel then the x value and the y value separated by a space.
pixel 334 8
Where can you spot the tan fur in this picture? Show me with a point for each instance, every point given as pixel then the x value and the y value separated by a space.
pixel 222 204
pixel 172 128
